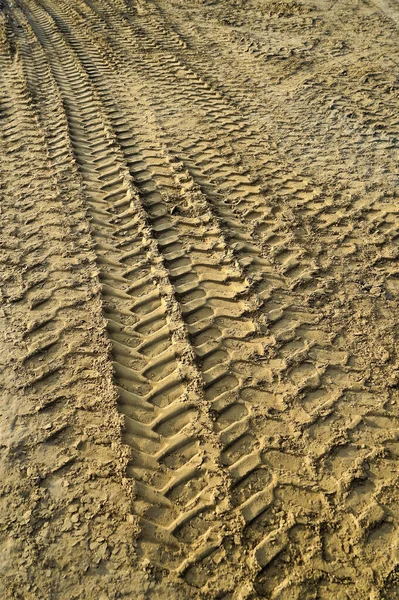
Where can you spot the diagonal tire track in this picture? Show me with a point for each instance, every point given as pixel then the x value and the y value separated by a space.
pixel 212 307
pixel 166 461
pixel 244 459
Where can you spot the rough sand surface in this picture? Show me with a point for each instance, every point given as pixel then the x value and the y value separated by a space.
pixel 199 299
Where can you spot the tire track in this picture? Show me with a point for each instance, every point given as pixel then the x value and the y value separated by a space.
pixel 305 438
pixel 336 379
pixel 55 376
pixel 257 503
pixel 332 219
pixel 44 281
pixel 332 399
pixel 175 479
pixel 204 273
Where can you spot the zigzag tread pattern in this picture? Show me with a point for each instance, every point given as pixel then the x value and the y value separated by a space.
pixel 156 385
pixel 56 380
pixel 260 440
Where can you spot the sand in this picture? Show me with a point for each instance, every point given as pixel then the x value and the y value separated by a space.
pixel 199 299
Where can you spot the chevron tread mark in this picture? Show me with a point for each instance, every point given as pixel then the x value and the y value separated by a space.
pixel 233 279
pixel 301 340
pixel 56 377
pixel 157 405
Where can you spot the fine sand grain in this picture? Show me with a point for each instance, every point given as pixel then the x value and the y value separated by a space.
pixel 199 300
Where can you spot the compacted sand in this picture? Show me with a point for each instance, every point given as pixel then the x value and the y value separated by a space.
pixel 199 311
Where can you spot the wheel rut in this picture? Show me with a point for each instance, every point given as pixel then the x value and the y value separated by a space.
pixel 310 368
pixel 258 437
pixel 176 479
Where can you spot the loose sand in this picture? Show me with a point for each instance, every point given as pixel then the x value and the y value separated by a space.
pixel 199 310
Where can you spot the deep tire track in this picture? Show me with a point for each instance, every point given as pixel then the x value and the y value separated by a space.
pixel 157 396
pixel 56 376
pixel 262 551
pixel 296 411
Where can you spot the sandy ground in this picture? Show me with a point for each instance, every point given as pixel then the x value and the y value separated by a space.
pixel 199 299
